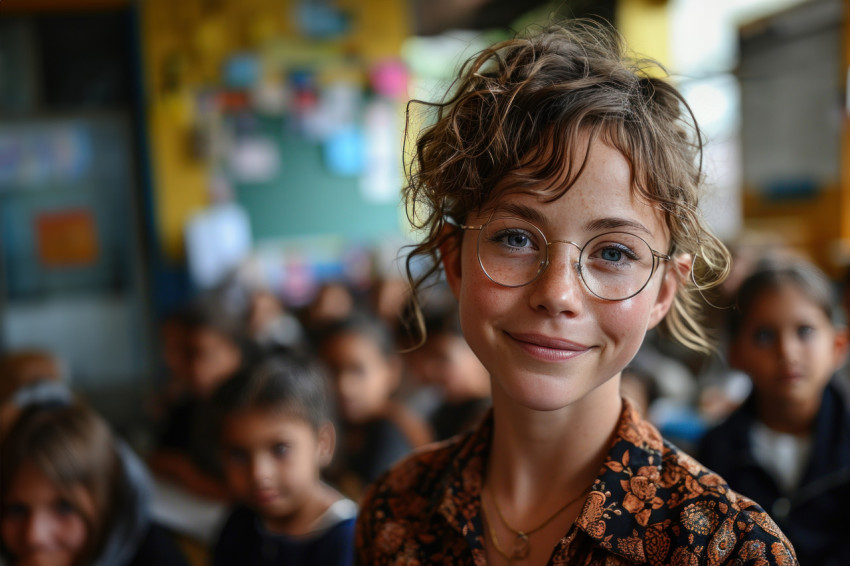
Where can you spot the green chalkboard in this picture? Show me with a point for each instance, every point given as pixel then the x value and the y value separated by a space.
pixel 306 199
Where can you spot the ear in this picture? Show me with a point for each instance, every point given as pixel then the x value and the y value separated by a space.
pixel 840 347
pixel 451 257
pixel 677 271
pixel 326 445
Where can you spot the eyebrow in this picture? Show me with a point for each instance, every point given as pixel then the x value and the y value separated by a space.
pixel 607 223
pixel 610 223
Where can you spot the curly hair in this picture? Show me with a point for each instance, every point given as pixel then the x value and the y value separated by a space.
pixel 521 117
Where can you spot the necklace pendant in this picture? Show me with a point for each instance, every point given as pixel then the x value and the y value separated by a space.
pixel 521 546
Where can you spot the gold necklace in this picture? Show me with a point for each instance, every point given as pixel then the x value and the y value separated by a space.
pixel 493 538
pixel 522 546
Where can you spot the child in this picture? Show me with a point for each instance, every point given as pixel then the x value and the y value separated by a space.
pixel 788 446
pixel 558 189
pixel 452 367
pixel 376 430
pixel 216 347
pixel 71 494
pixel 275 435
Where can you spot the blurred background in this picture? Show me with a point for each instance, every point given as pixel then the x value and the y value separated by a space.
pixel 153 150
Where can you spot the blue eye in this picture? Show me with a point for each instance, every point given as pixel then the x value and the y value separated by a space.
pixel 514 238
pixel 280 449
pixel 611 254
pixel 805 332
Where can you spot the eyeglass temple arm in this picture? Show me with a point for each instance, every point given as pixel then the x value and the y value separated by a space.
pixel 467 227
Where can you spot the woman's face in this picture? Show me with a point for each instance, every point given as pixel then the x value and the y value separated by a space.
pixel 42 526
pixel 548 344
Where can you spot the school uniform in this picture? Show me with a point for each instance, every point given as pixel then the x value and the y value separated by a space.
pixel 245 541
pixel 650 504
pixel 815 512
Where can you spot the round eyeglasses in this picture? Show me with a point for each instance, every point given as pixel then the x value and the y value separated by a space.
pixel 614 266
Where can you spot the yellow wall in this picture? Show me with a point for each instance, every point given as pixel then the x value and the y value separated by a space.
pixel 645 24
pixel 185 45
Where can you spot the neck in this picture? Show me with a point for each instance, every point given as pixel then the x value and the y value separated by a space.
pixel 303 520
pixel 536 454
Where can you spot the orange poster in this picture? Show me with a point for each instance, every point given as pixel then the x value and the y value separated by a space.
pixel 67 238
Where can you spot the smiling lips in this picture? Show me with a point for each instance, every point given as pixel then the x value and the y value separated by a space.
pixel 548 349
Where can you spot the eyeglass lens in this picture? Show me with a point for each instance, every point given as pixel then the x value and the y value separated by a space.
pixel 614 266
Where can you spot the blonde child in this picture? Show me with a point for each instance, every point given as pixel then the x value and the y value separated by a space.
pixel 275 436
pixel 788 446
pixel 557 186
pixel 72 494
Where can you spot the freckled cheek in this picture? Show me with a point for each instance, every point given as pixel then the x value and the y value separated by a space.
pixel 624 321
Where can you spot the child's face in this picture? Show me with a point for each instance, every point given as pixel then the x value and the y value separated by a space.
pixel 39 524
pixel 214 357
pixel 272 461
pixel 550 343
pixel 363 376
pixel 787 345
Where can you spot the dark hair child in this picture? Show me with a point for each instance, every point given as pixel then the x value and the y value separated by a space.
pixel 376 430
pixel 216 346
pixel 788 445
pixel 275 435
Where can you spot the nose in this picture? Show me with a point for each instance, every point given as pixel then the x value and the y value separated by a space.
pixel 261 468
pixel 558 289
pixel 788 347
pixel 38 531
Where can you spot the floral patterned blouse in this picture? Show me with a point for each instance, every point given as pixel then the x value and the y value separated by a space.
pixel 650 504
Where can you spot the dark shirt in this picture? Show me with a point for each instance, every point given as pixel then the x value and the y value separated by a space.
pixel 244 541
pixel 158 548
pixel 651 503
pixel 816 515
pixel 366 451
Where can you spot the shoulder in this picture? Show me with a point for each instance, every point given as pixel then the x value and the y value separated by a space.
pixel 405 498
pixel 417 474
pixel 652 502
pixel 706 518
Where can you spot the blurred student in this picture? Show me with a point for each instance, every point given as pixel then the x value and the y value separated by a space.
pixel 275 436
pixel 333 302
pixel 452 366
pixel 215 347
pixel 271 325
pixel 73 495
pixel 788 446
pixel 376 429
